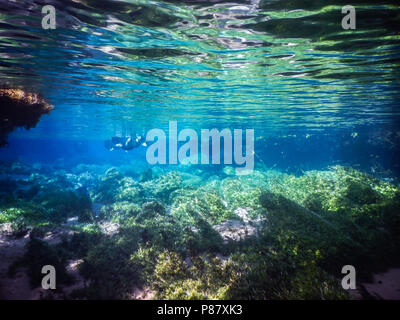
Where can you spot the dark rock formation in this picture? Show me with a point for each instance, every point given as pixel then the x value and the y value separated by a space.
pixel 19 108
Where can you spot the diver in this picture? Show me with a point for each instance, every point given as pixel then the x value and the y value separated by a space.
pixel 125 143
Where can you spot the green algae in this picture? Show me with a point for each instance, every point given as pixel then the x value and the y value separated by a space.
pixel 120 211
pixel 192 205
pixel 240 276
pixel 23 212
pixel 206 278
pixel 161 187
pixel 49 208
pixel 352 217
pixel 64 204
pixel 244 192
pixel 114 187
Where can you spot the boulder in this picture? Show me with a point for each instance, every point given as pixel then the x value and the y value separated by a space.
pixel 19 108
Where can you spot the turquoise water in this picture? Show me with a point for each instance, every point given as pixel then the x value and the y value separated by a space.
pixel 315 95
pixel 275 65
pixel 278 67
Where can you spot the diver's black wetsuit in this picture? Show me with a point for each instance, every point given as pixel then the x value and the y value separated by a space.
pixel 125 143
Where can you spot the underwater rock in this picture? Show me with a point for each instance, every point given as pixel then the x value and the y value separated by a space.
pixel 6 228
pixel 237 230
pixel 20 108
pixel 73 221
pixel 113 173
pixel 243 214
pixel 109 228
pixel 142 294
pixel 53 236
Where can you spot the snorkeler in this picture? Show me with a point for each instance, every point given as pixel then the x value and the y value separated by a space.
pixel 125 143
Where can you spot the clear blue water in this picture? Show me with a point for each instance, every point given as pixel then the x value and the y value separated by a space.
pixel 319 99
pixel 278 67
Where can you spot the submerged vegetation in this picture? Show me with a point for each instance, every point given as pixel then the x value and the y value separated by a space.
pixel 19 108
pixel 315 93
pixel 268 235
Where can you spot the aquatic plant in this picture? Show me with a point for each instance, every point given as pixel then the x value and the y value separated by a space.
pixel 151 210
pixel 120 212
pixel 24 215
pixel 144 261
pixel 240 276
pixel 107 267
pixel 206 278
pixel 270 274
pixel 327 212
pixel 36 205
pixel 161 187
pixel 190 205
pixel 154 226
pixel 169 236
pixel 115 187
pixel 238 193
pixel 63 204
